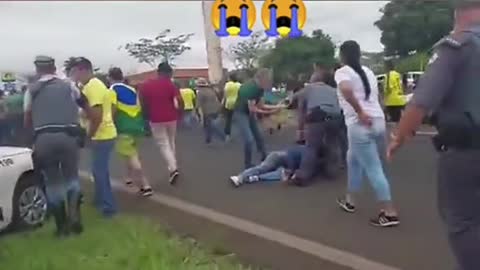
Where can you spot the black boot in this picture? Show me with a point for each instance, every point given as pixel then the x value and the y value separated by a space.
pixel 74 216
pixel 60 216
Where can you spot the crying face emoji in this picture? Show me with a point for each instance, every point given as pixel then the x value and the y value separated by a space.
pixel 284 18
pixel 233 17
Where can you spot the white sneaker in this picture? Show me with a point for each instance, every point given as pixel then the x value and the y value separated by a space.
pixel 236 181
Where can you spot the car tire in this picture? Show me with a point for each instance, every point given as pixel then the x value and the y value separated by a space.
pixel 30 205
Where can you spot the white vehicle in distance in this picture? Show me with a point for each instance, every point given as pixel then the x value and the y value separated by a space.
pixel 23 201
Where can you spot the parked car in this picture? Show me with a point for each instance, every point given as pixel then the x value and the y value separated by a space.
pixel 23 201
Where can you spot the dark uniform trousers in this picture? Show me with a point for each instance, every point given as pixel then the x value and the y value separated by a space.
pixel 459 203
pixel 323 147
pixel 56 155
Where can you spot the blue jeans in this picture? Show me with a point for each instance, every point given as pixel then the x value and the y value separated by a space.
pixel 212 128
pixel 250 133
pixel 189 118
pixel 101 153
pixel 365 146
pixel 269 169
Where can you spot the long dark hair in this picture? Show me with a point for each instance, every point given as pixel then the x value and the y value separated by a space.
pixel 350 53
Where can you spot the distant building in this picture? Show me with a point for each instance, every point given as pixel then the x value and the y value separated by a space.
pixel 179 74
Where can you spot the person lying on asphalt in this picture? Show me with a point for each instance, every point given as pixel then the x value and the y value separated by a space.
pixel 277 166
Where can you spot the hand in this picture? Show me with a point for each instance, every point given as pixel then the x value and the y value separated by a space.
pixel 394 144
pixel 365 119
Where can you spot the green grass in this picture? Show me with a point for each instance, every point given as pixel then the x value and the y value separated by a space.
pixel 122 243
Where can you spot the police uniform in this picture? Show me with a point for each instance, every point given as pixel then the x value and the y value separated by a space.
pixel 51 102
pixel 450 88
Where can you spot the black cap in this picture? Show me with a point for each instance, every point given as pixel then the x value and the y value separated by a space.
pixel 43 60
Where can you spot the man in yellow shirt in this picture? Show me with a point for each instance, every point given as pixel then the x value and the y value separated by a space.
pixel 229 100
pixel 101 130
pixel 394 96
pixel 189 101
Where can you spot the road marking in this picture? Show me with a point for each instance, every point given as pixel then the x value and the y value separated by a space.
pixel 340 257
pixel 426 133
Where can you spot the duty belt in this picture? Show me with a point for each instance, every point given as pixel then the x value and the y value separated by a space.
pixel 71 130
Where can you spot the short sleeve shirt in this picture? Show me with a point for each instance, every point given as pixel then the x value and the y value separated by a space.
pixel 371 106
pixel 188 97
pixel 98 94
pixel 159 96
pixel 248 92
pixel 231 94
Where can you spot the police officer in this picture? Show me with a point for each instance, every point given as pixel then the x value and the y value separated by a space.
pixel 451 89
pixel 320 110
pixel 51 111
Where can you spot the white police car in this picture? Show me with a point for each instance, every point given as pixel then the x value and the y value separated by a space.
pixel 23 201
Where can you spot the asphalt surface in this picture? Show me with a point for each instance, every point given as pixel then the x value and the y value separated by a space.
pixel 311 212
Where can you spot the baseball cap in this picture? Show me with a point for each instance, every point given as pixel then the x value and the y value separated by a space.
pixel 43 60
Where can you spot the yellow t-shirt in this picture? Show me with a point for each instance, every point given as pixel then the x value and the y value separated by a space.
pixel 188 96
pixel 394 95
pixel 98 94
pixel 231 94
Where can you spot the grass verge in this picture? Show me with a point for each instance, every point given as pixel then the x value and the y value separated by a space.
pixel 122 243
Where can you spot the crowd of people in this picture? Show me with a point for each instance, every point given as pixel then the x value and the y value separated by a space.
pixel 66 114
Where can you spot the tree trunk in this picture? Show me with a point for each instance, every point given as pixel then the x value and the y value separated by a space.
pixel 213 46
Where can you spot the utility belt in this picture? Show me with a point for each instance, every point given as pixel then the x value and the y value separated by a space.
pixel 75 131
pixel 317 115
pixel 458 139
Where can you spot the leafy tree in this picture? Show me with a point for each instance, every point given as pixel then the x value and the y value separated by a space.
pixel 245 54
pixel 374 60
pixel 292 59
pixel 160 48
pixel 414 25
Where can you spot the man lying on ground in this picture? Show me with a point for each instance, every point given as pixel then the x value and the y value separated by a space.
pixel 277 166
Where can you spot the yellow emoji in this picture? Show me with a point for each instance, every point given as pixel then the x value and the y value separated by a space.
pixel 233 17
pixel 284 17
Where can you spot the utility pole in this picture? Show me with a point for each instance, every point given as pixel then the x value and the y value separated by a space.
pixel 213 46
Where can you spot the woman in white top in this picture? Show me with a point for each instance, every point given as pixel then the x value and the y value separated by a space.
pixel 365 120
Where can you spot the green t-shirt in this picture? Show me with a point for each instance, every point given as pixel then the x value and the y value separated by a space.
pixel 248 91
pixel 14 103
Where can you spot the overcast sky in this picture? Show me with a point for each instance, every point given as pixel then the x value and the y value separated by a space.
pixel 97 29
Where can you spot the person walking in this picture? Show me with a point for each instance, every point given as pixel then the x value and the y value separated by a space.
pixel 320 109
pixel 50 108
pixel 210 106
pixel 189 110
pixel 394 95
pixel 162 102
pixel 128 119
pixel 366 129
pixel 449 88
pixel 101 131
pixel 248 104
pixel 229 100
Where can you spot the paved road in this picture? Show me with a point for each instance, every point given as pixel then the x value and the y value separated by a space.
pixel 418 244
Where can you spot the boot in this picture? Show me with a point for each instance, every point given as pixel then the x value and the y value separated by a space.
pixel 74 216
pixel 60 216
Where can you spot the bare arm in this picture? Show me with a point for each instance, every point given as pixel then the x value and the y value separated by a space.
pixel 95 116
pixel 347 92
pixel 255 107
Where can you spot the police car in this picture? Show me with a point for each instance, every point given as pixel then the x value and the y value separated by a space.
pixel 23 201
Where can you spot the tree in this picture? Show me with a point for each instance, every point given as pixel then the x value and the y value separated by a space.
pixel 414 25
pixel 245 54
pixel 161 48
pixel 292 59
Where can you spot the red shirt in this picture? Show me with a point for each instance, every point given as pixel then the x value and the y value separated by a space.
pixel 158 96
